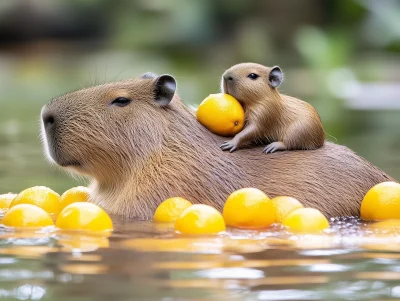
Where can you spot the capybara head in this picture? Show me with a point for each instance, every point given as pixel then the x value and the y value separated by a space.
pixel 84 130
pixel 249 81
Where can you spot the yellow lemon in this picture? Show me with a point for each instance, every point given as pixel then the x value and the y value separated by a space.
pixel 200 219
pixel 249 208
pixel 381 202
pixel 26 216
pixel 40 196
pixel 284 205
pixel 84 216
pixel 5 200
pixel 170 209
pixel 73 195
pixel 221 114
pixel 306 220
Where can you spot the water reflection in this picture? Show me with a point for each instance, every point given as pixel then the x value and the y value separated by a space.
pixel 142 261
pixel 82 243
pixel 24 292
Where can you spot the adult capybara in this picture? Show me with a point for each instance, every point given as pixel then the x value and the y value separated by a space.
pixel 140 144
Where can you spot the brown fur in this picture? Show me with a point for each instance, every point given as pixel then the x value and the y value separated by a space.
pixel 271 116
pixel 143 153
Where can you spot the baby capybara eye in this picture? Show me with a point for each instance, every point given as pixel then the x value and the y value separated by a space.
pixel 253 76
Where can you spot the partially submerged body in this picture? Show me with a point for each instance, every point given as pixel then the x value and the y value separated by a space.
pixel 140 145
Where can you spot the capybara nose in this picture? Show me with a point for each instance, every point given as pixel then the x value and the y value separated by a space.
pixel 228 77
pixel 47 118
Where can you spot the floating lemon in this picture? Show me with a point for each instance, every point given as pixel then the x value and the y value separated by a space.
pixel 249 208
pixel 221 114
pixel 200 219
pixel 381 202
pixel 5 200
pixel 84 216
pixel 170 209
pixel 284 205
pixel 73 195
pixel 306 220
pixel 40 196
pixel 26 216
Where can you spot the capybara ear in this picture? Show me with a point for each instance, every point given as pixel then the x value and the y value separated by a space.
pixel 149 75
pixel 275 77
pixel 164 89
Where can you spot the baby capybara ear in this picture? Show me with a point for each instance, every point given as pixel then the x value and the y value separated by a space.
pixel 149 75
pixel 164 89
pixel 275 77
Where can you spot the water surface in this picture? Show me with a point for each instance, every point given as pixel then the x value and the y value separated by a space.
pixel 142 260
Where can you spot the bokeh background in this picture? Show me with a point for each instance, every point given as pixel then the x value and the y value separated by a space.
pixel 342 56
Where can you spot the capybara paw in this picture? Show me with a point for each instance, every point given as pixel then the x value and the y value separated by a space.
pixel 229 145
pixel 274 147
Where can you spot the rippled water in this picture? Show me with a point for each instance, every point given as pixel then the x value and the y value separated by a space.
pixel 147 261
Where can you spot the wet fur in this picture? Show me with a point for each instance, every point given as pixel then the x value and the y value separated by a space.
pixel 139 155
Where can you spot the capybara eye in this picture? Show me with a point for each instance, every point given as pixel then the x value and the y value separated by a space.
pixel 253 76
pixel 121 102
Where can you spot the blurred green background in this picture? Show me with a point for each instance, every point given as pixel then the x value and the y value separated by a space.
pixel 342 56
